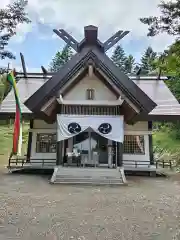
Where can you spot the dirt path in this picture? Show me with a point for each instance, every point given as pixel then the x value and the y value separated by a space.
pixel 30 208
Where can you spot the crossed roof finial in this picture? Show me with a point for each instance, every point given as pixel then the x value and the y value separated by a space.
pixel 90 38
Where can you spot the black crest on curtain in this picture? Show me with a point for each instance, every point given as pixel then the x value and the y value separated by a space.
pixel 105 128
pixel 74 128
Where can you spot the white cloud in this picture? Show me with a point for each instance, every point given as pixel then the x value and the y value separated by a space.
pixel 22 29
pixel 4 3
pixel 21 33
pixel 108 15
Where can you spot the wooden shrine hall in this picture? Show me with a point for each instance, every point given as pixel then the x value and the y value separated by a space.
pixel 90 122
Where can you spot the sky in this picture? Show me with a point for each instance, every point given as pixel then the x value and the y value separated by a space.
pixel 39 44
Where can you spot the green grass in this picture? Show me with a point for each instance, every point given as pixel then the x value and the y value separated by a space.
pixel 166 140
pixel 6 141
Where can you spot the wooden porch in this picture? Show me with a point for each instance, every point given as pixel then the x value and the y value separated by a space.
pixel 22 163
pixel 99 175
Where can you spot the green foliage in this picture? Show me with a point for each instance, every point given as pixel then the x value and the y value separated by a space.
pixel 5 87
pixel 2 86
pixel 167 22
pixel 61 58
pixel 119 57
pixel 6 133
pixel 172 59
pixel 125 63
pixel 10 17
pixel 147 61
pixel 129 64
pixel 169 63
pixel 1 92
pixel 165 139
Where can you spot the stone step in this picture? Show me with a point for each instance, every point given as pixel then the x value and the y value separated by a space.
pixel 88 172
pixel 89 181
pixel 88 176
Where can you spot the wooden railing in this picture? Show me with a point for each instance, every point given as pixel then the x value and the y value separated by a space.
pixel 164 164
pixel 21 161
pixel 136 164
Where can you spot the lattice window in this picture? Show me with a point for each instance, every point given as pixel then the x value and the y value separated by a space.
pixel 90 94
pixel 90 110
pixel 46 143
pixel 133 144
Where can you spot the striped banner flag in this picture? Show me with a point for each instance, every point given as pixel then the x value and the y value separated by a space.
pixel 17 135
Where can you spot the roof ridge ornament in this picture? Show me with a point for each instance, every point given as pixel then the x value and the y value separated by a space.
pixel 114 39
pixel 67 38
pixel 90 38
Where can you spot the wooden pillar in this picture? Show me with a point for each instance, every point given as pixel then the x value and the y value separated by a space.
pixel 59 153
pixel 110 156
pixel 119 154
pixel 28 157
pixel 151 154
pixel 114 152
pixel 64 151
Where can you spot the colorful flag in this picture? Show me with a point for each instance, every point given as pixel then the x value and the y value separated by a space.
pixel 17 135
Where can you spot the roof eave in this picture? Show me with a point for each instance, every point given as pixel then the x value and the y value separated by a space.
pixel 129 88
pixel 37 100
pixel 146 103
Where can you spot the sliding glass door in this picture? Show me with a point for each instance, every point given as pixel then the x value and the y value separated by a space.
pixel 92 146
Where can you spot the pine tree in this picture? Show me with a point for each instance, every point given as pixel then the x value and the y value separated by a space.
pixel 60 59
pixel 10 17
pixel 167 22
pixel 119 57
pixel 147 60
pixel 129 64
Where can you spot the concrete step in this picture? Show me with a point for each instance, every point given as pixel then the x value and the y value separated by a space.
pixel 89 181
pixel 87 176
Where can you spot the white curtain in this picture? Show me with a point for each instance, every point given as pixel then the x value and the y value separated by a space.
pixel 115 125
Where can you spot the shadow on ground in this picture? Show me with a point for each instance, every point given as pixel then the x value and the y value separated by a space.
pixel 46 174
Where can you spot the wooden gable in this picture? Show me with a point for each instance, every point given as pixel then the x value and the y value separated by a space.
pixel 90 51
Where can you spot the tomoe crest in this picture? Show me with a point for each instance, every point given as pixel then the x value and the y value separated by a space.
pixel 74 128
pixel 105 128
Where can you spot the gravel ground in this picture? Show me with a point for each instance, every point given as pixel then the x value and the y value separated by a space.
pixel 30 208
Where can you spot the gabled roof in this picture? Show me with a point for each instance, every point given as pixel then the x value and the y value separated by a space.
pixel 101 61
pixel 167 107
pixel 26 88
pixel 152 97
pixel 90 51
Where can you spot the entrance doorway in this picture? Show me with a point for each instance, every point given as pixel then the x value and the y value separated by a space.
pixel 92 146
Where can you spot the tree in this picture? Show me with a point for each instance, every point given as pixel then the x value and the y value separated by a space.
pixel 61 58
pixel 1 91
pixel 119 58
pixel 147 61
pixel 171 66
pixel 10 17
pixel 169 20
pixel 129 64
pixel 4 86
